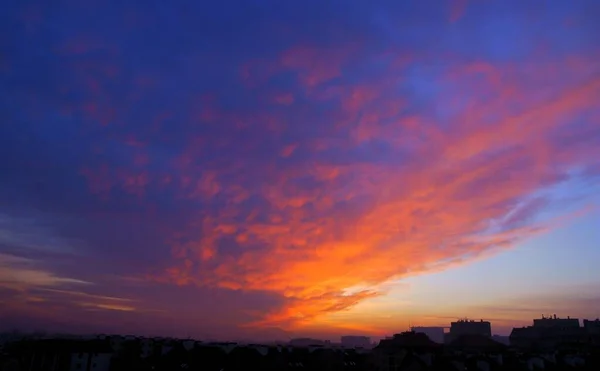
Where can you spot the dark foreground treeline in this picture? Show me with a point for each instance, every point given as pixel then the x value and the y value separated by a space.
pixel 408 352
pixel 101 355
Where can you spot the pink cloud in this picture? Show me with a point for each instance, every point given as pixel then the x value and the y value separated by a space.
pixel 478 169
pixel 472 159
pixel 288 150
pixel 312 65
pixel 284 99
pixel 457 9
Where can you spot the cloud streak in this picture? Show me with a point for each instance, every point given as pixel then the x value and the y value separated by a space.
pixel 23 273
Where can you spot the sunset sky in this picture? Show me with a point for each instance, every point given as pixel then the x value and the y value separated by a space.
pixel 274 168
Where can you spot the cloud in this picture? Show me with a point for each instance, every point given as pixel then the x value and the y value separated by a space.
pixel 457 9
pixel 176 311
pixel 23 273
pixel 281 167
pixel 365 223
pixel 86 296
pixel 86 300
pixel 30 233
pixel 49 303
pixel 117 307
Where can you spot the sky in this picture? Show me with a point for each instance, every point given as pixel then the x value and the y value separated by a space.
pixel 266 169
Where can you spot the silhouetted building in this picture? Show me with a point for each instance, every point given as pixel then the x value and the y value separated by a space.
pixel 304 342
pixel 434 333
pixel 468 327
pixel 356 341
pixel 476 343
pixel 549 332
pixel 405 351
pixel 409 340
pixel 556 322
pixel 592 327
pixel 501 339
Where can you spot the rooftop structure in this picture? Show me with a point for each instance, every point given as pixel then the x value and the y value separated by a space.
pixel 548 332
pixel 554 321
pixel 468 327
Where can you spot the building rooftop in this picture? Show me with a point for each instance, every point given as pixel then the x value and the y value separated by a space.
pixel 475 341
pixel 408 339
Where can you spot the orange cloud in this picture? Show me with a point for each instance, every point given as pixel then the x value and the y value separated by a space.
pixel 459 178
pixel 408 216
